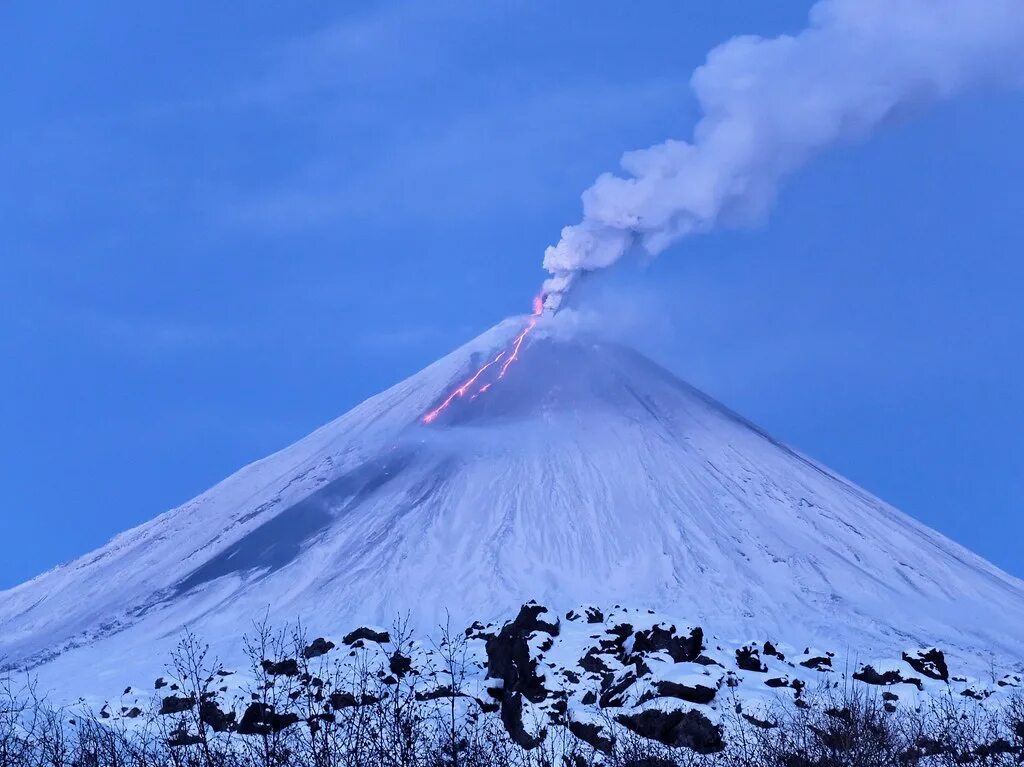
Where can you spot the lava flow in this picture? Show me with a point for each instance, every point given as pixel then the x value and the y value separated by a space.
pixel 460 391
pixel 510 355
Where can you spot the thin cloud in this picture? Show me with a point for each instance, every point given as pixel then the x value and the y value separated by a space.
pixel 397 45
pixel 147 335
pixel 492 158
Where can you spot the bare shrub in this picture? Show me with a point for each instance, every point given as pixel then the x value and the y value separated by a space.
pixel 305 703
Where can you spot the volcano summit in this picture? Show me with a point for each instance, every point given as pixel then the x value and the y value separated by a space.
pixel 587 475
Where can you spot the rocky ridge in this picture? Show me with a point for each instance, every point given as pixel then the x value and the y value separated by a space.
pixel 591 671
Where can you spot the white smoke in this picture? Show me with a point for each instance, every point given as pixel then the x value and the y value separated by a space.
pixel 769 105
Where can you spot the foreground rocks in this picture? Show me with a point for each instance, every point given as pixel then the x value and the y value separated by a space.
pixel 591 673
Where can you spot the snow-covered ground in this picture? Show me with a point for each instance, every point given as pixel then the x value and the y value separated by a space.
pixel 587 474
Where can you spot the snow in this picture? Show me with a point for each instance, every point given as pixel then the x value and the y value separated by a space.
pixel 587 475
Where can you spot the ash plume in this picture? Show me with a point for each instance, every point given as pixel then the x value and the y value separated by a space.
pixel 768 105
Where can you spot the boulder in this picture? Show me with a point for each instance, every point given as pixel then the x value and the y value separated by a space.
pixel 931 663
pixel 318 648
pixel 687 729
pixel 366 634
pixel 749 659
pixel 174 704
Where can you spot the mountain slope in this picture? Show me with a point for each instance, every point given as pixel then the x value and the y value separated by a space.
pixel 582 473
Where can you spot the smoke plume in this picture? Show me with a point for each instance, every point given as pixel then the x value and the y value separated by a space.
pixel 769 105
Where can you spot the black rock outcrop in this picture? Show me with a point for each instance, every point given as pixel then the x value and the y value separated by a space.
pixel 688 729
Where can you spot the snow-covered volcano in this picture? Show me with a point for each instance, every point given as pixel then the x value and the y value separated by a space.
pixel 585 475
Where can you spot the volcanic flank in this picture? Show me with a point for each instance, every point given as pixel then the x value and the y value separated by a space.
pixel 585 474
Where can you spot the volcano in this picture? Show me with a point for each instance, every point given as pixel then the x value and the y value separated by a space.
pixel 586 475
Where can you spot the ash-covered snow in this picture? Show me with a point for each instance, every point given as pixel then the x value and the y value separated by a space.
pixel 587 475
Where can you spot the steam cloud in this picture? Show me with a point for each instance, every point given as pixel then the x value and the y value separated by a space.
pixel 769 105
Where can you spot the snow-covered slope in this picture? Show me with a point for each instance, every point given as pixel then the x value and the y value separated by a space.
pixel 586 474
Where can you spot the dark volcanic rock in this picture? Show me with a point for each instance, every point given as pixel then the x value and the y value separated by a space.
pixel 508 659
pixel 318 648
pixel 770 649
pixel 818 663
pixel 689 729
pixel 261 719
pixel 174 704
pixel 508 654
pixel 592 662
pixel 764 724
pixel 697 693
pixel 529 620
pixel 613 692
pixel 363 633
pixel 286 667
pixel 619 634
pixel 749 659
pixel 339 700
pixel 931 663
pixel 558 707
pixel 869 675
pixel 592 734
pixel 182 737
pixel 211 715
pixel 342 700
pixel 400 665
pixel 682 649
pixel 443 691
pixel 512 718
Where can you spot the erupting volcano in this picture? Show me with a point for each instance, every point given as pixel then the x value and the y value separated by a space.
pixel 529 464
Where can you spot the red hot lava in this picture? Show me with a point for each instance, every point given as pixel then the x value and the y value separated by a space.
pixel 510 355
pixel 459 391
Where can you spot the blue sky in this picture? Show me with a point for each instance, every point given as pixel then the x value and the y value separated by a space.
pixel 223 226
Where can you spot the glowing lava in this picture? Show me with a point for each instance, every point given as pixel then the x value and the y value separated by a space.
pixel 460 391
pixel 516 346
pixel 510 355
